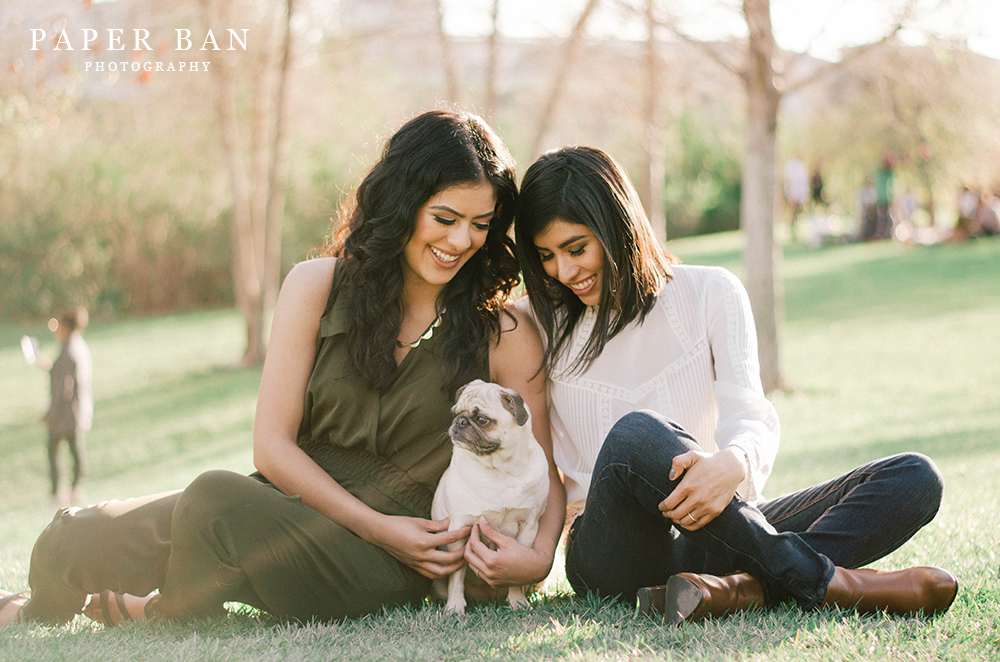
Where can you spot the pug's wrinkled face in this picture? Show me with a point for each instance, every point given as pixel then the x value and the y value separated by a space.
pixel 485 416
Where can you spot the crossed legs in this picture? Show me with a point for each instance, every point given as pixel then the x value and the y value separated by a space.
pixel 791 545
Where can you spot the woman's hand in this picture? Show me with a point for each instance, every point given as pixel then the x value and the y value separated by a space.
pixel 504 561
pixel 414 542
pixel 708 485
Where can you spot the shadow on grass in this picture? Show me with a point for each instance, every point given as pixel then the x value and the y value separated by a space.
pixel 882 280
pixel 850 283
pixel 173 397
pixel 800 468
pixel 163 403
pixel 938 446
pixel 153 434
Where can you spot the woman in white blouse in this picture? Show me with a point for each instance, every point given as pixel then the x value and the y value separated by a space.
pixel 665 438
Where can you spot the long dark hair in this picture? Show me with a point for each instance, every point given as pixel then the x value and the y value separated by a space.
pixel 584 185
pixel 429 153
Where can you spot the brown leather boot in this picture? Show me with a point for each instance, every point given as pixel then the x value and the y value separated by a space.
pixel 901 592
pixel 691 597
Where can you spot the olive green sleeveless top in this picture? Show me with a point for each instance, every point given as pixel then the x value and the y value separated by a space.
pixel 388 450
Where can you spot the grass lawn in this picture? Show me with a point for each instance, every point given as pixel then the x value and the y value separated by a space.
pixel 885 349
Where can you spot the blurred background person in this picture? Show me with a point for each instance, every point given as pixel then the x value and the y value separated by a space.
pixel 797 189
pixel 885 182
pixel 816 187
pixel 71 403
pixel 987 220
pixel 968 202
pixel 867 215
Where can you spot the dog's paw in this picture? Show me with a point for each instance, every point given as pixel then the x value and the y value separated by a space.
pixel 456 607
pixel 516 599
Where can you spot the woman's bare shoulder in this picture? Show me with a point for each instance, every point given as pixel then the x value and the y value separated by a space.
pixel 519 347
pixel 517 324
pixel 311 275
pixel 318 270
pixel 307 287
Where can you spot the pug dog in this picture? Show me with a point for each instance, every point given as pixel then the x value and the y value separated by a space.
pixel 497 471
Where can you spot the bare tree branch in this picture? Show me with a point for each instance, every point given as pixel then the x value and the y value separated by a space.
pixel 707 48
pixel 902 19
pixel 555 90
pixel 851 56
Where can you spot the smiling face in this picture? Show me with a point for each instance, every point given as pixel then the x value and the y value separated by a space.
pixel 572 254
pixel 450 228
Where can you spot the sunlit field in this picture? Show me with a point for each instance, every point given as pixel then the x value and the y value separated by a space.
pixel 885 348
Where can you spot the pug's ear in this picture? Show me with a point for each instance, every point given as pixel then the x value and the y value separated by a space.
pixel 458 393
pixel 513 403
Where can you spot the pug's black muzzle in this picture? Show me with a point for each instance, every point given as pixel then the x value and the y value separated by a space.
pixel 471 437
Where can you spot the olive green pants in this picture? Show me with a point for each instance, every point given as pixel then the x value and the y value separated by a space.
pixel 226 538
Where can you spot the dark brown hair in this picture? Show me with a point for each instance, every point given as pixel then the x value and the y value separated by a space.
pixel 584 185
pixel 431 152
pixel 74 319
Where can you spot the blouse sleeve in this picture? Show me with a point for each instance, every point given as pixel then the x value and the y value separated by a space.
pixel 747 419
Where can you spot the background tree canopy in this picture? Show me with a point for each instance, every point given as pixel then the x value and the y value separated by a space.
pixel 114 190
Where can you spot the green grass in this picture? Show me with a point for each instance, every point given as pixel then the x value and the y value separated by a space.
pixel 885 349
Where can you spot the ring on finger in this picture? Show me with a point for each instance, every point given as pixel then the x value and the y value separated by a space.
pixel 693 518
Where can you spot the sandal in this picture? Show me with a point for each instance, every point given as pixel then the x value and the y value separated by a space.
pixel 103 600
pixel 9 598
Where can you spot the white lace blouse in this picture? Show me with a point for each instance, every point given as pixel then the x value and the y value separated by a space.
pixel 693 359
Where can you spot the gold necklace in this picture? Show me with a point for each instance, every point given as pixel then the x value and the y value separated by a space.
pixel 426 335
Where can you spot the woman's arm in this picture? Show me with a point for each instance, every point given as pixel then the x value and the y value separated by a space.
pixel 514 363
pixel 748 423
pixel 290 356
pixel 748 430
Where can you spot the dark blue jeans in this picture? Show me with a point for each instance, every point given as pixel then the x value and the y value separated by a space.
pixel 791 544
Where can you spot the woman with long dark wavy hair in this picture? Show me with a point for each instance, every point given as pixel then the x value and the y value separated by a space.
pixel 665 437
pixel 367 347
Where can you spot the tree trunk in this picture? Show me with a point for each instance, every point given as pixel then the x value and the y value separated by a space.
pixel 493 44
pixel 447 60
pixel 257 187
pixel 759 195
pixel 759 198
pixel 260 144
pixel 653 166
pixel 275 215
pixel 246 284
pixel 566 63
